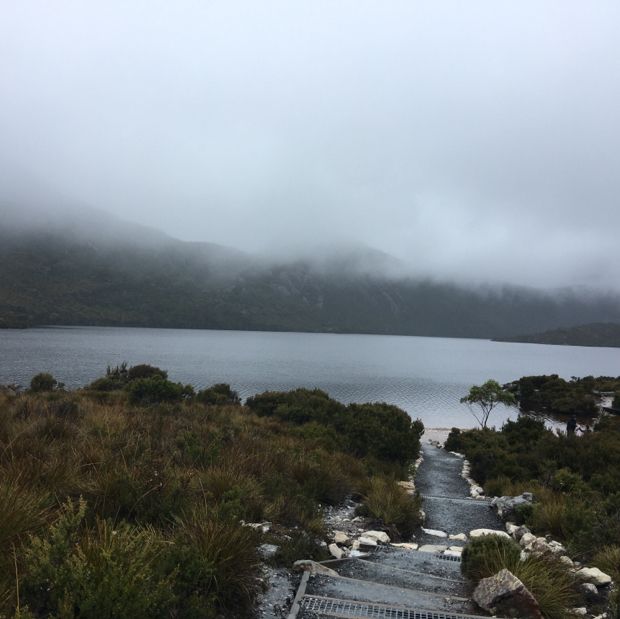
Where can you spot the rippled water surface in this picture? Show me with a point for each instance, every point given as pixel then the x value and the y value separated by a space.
pixel 425 376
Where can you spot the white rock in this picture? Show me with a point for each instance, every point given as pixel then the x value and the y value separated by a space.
pixel 357 553
pixel 340 537
pixel 458 549
pixel 379 536
pixel 484 532
pixel 458 537
pixel 527 539
pixel 556 548
pixel 305 565
pixel 579 612
pixel 432 548
pixel 511 528
pixel 409 486
pixel 335 551
pixel 268 550
pixel 593 575
pixel 451 553
pixel 435 532
pixel 567 561
pixel 406 546
pixel 367 541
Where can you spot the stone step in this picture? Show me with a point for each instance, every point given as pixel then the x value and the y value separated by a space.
pixel 405 578
pixel 416 561
pixel 320 607
pixel 378 593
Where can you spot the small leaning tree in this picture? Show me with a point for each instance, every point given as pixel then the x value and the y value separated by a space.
pixel 486 397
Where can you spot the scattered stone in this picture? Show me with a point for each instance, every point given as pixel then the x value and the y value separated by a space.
pixel 539 546
pixel 593 575
pixel 340 537
pixel 520 532
pixel 504 594
pixel 266 551
pixel 434 548
pixel 511 528
pixel 406 546
pixel 591 593
pixel 556 548
pixel 580 612
pixel 379 536
pixel 367 541
pixel 506 505
pixel 335 551
pixel 306 565
pixel 452 553
pixel 435 532
pixel 264 527
pixel 527 539
pixel 409 486
pixel 567 561
pixel 357 553
pixel 484 532
pixel 459 537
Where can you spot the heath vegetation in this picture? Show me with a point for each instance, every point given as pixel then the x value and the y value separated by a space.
pixel 128 498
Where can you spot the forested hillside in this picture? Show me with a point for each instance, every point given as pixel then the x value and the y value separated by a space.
pixel 136 279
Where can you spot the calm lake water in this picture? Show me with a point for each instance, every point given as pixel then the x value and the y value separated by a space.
pixel 424 376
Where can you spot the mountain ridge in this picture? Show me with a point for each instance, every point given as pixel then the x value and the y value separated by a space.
pixel 50 276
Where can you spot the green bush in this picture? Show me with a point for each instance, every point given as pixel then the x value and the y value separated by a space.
pixel 43 382
pixel 484 556
pixel 101 572
pixel 377 431
pixel 145 371
pixel 155 390
pixel 219 394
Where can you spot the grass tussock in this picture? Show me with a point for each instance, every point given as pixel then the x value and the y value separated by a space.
pixel 549 581
pixel 126 499
pixel 386 501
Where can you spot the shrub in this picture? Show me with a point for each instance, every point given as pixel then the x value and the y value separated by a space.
pixel 390 503
pixel 219 394
pixel 102 572
pixel 43 382
pixel 145 371
pixel 156 389
pixel 487 555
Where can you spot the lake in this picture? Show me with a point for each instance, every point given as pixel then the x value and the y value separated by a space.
pixel 425 376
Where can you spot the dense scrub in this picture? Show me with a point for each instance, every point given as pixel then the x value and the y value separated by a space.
pixel 124 502
pixel 554 395
pixel 381 432
pixel 575 479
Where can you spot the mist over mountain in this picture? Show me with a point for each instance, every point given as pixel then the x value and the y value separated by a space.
pixel 97 270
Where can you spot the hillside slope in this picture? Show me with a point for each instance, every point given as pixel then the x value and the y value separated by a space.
pixel 595 334
pixel 57 277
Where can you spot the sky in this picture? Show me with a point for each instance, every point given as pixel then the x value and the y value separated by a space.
pixel 475 139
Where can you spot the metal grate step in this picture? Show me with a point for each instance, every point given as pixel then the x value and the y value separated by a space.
pixel 330 607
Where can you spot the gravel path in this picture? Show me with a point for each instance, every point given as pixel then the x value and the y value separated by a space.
pixel 446 499
pixel 387 582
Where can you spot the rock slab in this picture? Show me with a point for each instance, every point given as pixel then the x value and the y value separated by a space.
pixel 504 594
